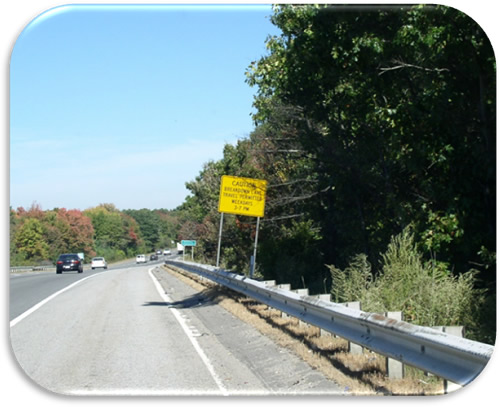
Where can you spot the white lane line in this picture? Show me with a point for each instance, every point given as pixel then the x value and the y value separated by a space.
pixel 189 334
pixel 46 300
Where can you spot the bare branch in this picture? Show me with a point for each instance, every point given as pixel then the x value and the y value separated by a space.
pixel 278 218
pixel 274 219
pixel 289 200
pixel 403 65
pixel 296 181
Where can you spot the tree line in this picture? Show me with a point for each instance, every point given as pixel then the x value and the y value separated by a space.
pixel 38 236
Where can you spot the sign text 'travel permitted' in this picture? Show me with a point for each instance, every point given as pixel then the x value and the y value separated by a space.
pixel 242 196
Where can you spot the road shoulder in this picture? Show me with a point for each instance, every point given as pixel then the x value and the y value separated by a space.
pixel 222 333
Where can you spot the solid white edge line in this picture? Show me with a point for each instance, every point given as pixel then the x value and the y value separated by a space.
pixel 46 300
pixel 189 334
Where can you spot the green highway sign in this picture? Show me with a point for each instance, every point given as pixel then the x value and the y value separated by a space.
pixel 188 242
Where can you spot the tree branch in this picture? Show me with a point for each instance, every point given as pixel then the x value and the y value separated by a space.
pixel 403 65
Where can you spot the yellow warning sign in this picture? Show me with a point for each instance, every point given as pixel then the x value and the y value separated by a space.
pixel 242 196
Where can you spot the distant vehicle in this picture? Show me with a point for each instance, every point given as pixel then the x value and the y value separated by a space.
pixel 69 262
pixel 180 248
pixel 167 252
pixel 140 258
pixel 153 257
pixel 158 252
pixel 98 262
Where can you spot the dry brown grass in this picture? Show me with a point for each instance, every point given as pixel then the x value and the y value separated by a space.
pixel 363 374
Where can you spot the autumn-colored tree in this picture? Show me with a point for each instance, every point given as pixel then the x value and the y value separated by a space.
pixel 77 233
pixel 43 235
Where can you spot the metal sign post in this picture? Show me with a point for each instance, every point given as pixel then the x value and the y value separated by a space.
pixel 220 238
pixel 254 257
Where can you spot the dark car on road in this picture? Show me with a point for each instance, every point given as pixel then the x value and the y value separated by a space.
pixel 69 262
pixel 153 257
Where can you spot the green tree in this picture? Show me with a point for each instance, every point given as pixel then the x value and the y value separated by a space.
pixel 29 241
pixel 149 226
pixel 396 109
pixel 117 234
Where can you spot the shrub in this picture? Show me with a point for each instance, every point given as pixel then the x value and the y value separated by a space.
pixel 426 295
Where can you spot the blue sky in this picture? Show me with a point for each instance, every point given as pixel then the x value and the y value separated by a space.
pixel 124 104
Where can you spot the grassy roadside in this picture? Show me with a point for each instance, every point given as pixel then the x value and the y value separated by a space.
pixel 363 374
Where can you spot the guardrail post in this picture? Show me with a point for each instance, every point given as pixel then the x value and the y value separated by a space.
pixel 269 283
pixel 354 348
pixel 456 331
pixel 322 297
pixel 395 368
pixel 302 292
pixel 327 298
pixel 286 287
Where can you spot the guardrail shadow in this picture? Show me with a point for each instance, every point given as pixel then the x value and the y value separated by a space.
pixel 287 327
pixel 207 297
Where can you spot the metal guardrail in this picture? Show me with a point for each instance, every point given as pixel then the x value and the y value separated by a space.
pixel 453 358
pixel 20 269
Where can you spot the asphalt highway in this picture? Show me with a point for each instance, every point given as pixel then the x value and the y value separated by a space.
pixel 137 330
